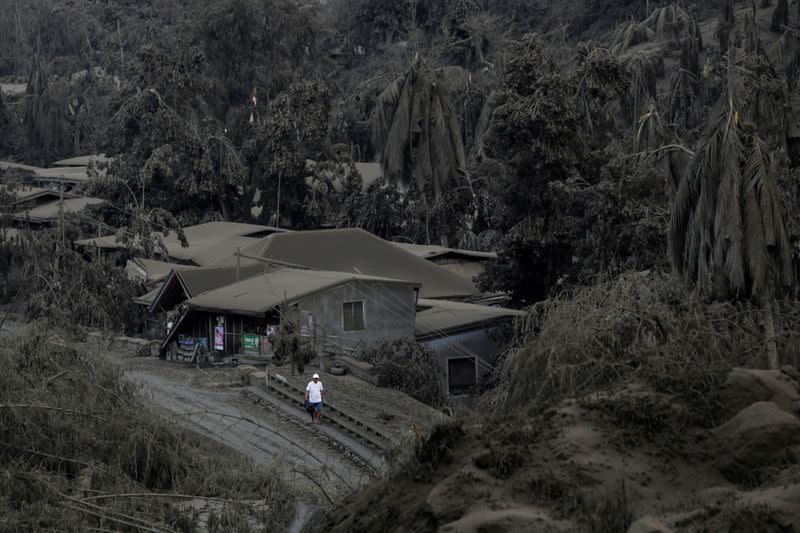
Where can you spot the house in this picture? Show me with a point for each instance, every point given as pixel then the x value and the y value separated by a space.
pixel 355 251
pixel 208 242
pixel 466 263
pixel 48 214
pixel 339 311
pixel 27 197
pixel 61 176
pixel 464 338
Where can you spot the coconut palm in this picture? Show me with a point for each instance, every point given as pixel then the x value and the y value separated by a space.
pixel 416 129
pixel 727 233
pixel 654 138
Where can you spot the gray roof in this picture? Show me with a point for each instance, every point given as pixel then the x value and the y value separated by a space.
pixel 82 160
pixel 208 243
pixel 359 252
pixel 49 212
pixel 440 317
pixel 430 251
pixel 26 194
pixel 259 294
pixel 194 281
pixel 200 280
pixel 156 270
pixel 370 173
pixel 18 166
pixel 149 298
pixel 65 174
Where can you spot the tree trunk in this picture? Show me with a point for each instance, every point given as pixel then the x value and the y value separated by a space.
pixel 768 319
pixel 247 201
pixel 223 205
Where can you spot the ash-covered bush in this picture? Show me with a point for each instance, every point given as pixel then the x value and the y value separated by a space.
pixel 644 327
pixel 77 441
pixel 408 367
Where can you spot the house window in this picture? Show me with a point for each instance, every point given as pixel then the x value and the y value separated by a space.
pixel 461 375
pixel 353 313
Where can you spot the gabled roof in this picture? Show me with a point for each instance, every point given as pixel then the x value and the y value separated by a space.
pixel 257 295
pixel 200 280
pixel 208 243
pixel 149 298
pixel 49 212
pixel 438 318
pixel 359 252
pixel 430 251
pixel 154 270
pixel 25 195
pixel 192 281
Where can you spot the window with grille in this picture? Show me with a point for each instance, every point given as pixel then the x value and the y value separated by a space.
pixel 353 316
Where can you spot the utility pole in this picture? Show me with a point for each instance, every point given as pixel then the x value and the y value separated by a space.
pixel 278 204
pixel 99 251
pixel 238 260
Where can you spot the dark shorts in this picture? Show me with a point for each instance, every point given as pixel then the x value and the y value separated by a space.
pixel 317 406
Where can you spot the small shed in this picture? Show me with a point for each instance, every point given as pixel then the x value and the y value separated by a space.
pixel 340 312
pixel 465 338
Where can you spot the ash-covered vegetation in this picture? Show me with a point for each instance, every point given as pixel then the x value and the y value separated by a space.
pixel 634 164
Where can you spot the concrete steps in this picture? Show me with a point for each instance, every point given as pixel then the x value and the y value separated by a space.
pixel 346 422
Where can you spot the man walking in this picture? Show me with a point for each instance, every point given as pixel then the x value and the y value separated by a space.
pixel 314 392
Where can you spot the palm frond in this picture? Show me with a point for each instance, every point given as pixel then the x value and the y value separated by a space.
pixel 756 172
pixel 393 160
pixel 459 163
pixel 454 79
pixel 728 233
pixel 786 48
pixel 384 110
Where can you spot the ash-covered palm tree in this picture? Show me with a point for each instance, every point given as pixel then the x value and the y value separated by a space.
pixel 727 233
pixel 417 131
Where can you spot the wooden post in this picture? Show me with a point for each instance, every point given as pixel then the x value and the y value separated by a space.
pixel 61 216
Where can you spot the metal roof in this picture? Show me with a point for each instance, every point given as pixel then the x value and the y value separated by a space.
pixel 49 212
pixel 259 294
pixel 82 160
pixel 357 251
pixel 208 242
pixel 430 251
pixel 437 318
pixel 194 281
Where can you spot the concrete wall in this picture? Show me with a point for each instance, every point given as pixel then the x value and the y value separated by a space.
pixel 474 342
pixel 389 313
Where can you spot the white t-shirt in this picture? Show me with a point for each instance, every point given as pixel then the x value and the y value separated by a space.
pixel 314 391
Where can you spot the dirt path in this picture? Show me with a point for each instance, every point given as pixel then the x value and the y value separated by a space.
pixel 209 403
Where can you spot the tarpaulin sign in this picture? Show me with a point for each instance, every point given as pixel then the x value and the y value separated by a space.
pixel 250 343
pixel 219 338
